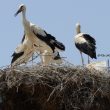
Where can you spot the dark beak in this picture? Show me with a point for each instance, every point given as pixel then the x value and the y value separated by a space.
pixel 17 12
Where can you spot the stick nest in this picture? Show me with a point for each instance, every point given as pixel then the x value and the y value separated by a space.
pixel 54 88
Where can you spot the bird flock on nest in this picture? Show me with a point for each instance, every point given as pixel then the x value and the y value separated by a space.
pixel 37 40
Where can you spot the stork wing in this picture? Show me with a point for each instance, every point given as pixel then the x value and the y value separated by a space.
pixel 88 49
pixel 16 56
pixel 89 39
pixel 42 33
pixel 19 51
pixel 47 38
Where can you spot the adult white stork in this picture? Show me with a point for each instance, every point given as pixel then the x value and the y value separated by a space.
pixel 85 43
pixel 38 36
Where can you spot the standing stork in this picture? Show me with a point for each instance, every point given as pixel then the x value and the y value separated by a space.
pixel 85 43
pixel 39 37
pixel 22 54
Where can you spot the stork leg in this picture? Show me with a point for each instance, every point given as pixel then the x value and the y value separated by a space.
pixel 32 58
pixel 88 59
pixel 82 59
pixel 41 57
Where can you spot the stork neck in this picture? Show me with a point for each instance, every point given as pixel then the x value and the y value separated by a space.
pixel 24 16
pixel 26 23
pixel 78 30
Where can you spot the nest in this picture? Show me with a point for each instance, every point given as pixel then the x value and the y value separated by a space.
pixel 54 88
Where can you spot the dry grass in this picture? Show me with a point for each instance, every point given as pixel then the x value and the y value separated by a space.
pixel 54 88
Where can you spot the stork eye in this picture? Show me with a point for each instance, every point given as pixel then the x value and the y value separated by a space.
pixel 21 7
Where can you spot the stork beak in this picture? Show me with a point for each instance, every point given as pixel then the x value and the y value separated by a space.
pixel 17 12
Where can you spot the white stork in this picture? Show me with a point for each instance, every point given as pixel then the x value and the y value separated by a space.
pixel 85 43
pixel 22 54
pixel 51 58
pixel 25 50
pixel 39 37
pixel 57 58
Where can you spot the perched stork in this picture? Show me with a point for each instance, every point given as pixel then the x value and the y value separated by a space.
pixel 46 42
pixel 48 58
pixel 21 54
pixel 57 58
pixel 85 43
pixel 25 50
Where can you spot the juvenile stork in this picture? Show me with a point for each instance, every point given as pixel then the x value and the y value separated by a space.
pixel 39 37
pixel 22 54
pixel 85 43
pixel 52 59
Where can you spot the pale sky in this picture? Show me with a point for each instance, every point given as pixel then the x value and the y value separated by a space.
pixel 58 18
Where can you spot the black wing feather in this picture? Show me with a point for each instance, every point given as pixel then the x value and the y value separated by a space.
pixel 59 45
pixel 50 36
pixel 56 43
pixel 16 56
pixel 89 39
pixel 46 40
pixel 50 40
pixel 88 49
pixel 23 38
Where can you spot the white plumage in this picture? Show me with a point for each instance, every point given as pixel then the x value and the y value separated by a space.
pixel 39 39
pixel 79 39
pixel 37 35
pixel 51 58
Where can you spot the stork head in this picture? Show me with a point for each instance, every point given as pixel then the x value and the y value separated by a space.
pixel 78 26
pixel 21 8
pixel 56 55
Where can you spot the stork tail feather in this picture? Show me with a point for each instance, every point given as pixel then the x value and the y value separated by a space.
pixel 59 45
